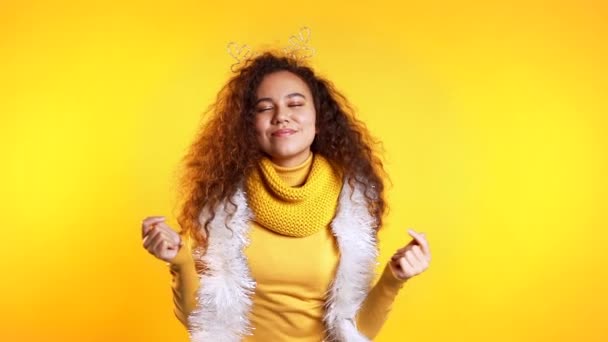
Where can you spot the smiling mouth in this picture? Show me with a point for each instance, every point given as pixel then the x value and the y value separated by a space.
pixel 283 133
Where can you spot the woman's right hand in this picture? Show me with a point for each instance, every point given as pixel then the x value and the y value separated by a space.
pixel 159 239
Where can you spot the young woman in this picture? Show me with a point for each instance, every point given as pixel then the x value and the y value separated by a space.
pixel 283 196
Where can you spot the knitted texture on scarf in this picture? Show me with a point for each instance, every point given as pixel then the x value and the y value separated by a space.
pixel 294 211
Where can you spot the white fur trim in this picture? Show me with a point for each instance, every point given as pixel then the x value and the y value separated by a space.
pixel 224 296
pixel 353 228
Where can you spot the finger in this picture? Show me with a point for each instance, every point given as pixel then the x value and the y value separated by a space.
pixel 407 268
pixel 165 227
pixel 160 247
pixel 412 258
pixel 414 261
pixel 400 251
pixel 418 252
pixel 151 239
pixel 157 230
pixel 149 222
pixel 414 242
pixel 421 240
pixel 171 234
pixel 172 242
pixel 152 219
pixel 398 255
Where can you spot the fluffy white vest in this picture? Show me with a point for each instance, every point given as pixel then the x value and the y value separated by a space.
pixel 224 296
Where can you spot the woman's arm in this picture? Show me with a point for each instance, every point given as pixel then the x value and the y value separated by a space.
pixel 184 283
pixel 379 302
pixel 407 262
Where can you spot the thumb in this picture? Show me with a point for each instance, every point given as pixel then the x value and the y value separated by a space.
pixel 416 235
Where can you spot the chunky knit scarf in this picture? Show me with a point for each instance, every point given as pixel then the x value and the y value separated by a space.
pixel 294 211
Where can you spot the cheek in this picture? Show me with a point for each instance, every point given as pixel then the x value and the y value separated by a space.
pixel 259 126
pixel 313 126
pixel 309 119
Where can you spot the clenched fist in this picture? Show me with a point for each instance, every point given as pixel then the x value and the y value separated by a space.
pixel 159 239
pixel 413 258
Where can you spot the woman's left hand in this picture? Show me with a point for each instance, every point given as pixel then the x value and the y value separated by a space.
pixel 412 259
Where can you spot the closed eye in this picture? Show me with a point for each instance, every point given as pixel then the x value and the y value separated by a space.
pixel 269 108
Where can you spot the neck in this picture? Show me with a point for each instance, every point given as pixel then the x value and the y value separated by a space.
pixel 292 161
pixel 297 175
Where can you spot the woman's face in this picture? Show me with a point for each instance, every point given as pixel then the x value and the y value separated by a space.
pixel 284 118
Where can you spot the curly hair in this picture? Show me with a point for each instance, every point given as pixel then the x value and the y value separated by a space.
pixel 225 150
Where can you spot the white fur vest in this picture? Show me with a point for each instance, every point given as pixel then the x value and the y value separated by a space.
pixel 224 298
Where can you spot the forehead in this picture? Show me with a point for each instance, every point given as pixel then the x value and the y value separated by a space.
pixel 281 83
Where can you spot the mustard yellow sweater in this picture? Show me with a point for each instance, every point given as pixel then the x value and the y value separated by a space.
pixel 292 275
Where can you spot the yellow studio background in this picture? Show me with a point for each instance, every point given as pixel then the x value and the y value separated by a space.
pixel 493 118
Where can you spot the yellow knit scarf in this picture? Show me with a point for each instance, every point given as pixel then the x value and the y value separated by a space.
pixel 294 211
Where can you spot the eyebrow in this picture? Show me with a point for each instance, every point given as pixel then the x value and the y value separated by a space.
pixel 287 96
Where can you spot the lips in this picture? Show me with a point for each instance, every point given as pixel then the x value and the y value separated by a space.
pixel 283 132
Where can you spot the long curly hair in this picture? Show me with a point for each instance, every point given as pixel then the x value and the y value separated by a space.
pixel 225 150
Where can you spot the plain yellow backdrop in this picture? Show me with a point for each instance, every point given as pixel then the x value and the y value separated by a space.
pixel 492 115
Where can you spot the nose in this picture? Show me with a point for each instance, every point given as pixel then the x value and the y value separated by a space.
pixel 281 115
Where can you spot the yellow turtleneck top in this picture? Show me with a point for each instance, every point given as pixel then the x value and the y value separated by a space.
pixel 292 275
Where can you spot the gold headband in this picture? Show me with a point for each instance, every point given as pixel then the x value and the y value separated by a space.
pixel 297 49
